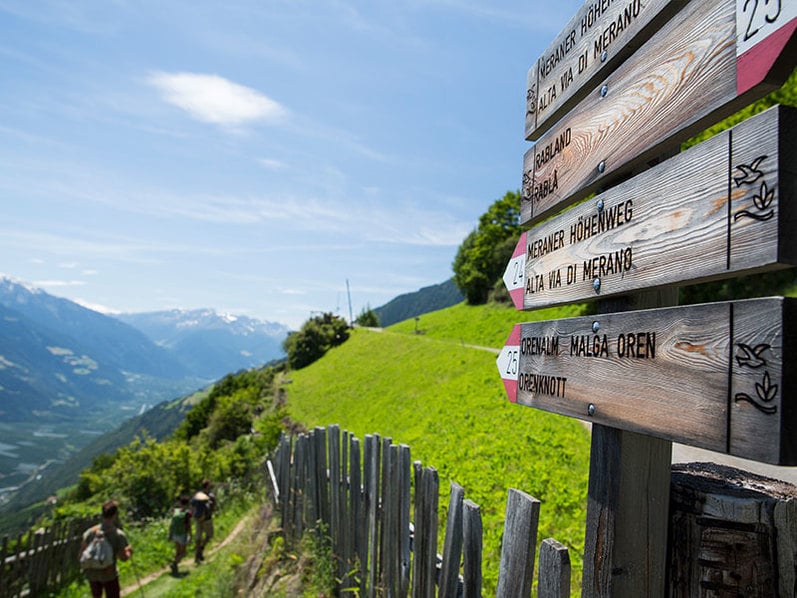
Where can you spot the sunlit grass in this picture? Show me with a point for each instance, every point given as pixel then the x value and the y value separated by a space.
pixel 446 401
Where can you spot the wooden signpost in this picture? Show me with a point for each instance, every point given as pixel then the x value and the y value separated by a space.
pixel 710 376
pixel 623 85
pixel 725 206
pixel 684 79
pixel 595 41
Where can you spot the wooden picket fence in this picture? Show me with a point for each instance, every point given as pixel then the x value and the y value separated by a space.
pixel 358 499
pixel 42 561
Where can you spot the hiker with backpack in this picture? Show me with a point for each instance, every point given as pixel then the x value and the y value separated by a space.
pixel 202 505
pixel 103 544
pixel 180 532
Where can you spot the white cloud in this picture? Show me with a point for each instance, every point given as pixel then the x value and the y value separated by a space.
pixel 59 283
pixel 216 100
pixel 271 164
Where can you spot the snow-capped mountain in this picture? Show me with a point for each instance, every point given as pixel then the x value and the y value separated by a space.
pixel 212 343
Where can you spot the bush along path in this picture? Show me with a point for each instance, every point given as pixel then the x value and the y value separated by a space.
pixel 140 587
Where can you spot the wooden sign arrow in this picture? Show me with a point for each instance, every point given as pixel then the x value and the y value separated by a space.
pixel 725 207
pixel 710 376
pixel 685 78
pixel 594 43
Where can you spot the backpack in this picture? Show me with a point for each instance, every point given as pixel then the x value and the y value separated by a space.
pixel 99 553
pixel 179 523
pixel 202 506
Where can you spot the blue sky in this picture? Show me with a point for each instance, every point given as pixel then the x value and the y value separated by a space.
pixel 252 156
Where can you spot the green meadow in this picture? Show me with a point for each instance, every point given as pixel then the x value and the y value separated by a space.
pixel 433 384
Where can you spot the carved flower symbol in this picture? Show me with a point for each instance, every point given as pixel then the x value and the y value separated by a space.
pixel 766 391
pixel 764 197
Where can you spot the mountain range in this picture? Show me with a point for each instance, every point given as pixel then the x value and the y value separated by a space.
pixel 69 374
pixel 75 382
pixel 63 358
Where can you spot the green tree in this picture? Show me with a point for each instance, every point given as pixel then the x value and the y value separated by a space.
pixel 317 336
pixel 482 258
pixel 367 318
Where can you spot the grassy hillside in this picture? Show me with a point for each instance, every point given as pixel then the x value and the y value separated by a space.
pixel 441 395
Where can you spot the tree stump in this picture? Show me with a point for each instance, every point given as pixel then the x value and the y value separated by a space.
pixel 732 533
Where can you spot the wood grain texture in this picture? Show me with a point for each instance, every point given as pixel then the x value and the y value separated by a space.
pixel 710 376
pixel 732 533
pixel 713 211
pixel 452 546
pixel 472 549
pixel 516 570
pixel 681 81
pixel 554 578
pixel 594 43
pixel 627 513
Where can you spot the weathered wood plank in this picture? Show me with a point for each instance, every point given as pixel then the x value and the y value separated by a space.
pixel 418 533
pixel 710 375
pixel 355 524
pixel 554 577
pixel 516 571
pixel 427 486
pixel 404 484
pixel 371 474
pixel 472 549
pixel 627 512
pixel 682 80
pixel 385 512
pixel 594 43
pixel 732 533
pixel 724 207
pixel 452 546
pixel 333 460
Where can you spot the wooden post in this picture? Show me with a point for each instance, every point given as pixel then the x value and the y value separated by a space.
pixel 733 533
pixel 628 497
pixel 626 535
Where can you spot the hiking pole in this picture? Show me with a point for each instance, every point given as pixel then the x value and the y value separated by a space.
pixel 138 579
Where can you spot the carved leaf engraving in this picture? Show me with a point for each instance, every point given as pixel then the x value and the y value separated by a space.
pixel 766 392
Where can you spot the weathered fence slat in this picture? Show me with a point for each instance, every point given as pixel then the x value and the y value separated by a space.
pixel 554 571
pixel 517 550
pixel 390 529
pixel 472 548
pixel 425 537
pixel 404 469
pixel 354 522
pixel 373 447
pixel 321 477
pixel 333 456
pixel 452 546
pixel 374 542
pixel 42 561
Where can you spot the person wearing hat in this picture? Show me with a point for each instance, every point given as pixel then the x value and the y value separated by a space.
pixel 202 505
